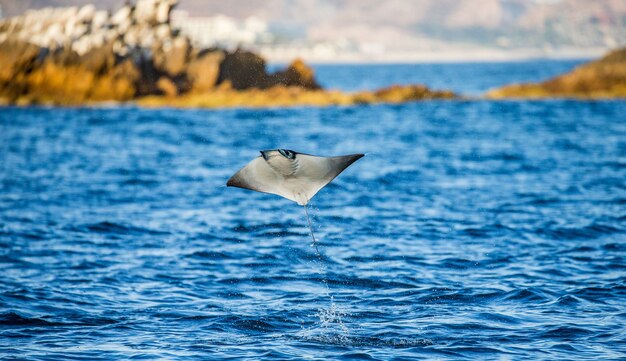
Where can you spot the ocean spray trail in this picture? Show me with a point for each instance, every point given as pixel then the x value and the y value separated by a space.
pixel 330 318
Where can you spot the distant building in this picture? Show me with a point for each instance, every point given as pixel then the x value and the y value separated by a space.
pixel 221 30
pixel 280 42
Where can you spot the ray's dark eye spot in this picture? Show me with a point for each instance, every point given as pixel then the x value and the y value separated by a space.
pixel 287 153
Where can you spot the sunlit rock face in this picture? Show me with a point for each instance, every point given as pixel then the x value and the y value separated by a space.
pixel 602 78
pixel 76 55
pixel 72 55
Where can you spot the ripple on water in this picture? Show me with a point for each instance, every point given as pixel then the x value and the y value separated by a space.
pixel 471 230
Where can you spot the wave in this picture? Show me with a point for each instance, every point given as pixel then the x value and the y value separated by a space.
pixel 107 227
pixel 17 320
pixel 591 231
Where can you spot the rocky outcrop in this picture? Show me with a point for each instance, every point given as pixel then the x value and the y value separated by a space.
pixel 243 70
pixel 401 94
pixel 83 29
pixel 76 55
pixel 281 96
pixel 34 74
pixel 73 56
pixel 603 78
pixel 297 74
pixel 204 70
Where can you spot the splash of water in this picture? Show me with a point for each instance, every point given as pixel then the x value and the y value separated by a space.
pixel 331 318
pixel 331 321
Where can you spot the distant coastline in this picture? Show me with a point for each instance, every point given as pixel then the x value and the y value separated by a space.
pixel 597 79
pixel 77 56
pixel 83 56
pixel 478 56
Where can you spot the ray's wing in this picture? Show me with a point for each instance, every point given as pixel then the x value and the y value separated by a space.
pixel 314 173
pixel 258 176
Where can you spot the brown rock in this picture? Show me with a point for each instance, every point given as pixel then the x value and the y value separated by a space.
pixel 405 93
pixel 99 60
pixel 603 78
pixel 148 74
pixel 203 72
pixel 167 86
pixel 173 61
pixel 63 77
pixel 244 70
pixel 297 74
pixel 123 80
pixel 134 55
pixel 72 85
pixel 16 59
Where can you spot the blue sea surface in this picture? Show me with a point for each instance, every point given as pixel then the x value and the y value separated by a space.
pixel 468 79
pixel 470 230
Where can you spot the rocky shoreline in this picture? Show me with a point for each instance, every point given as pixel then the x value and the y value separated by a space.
pixel 77 56
pixel 83 56
pixel 604 78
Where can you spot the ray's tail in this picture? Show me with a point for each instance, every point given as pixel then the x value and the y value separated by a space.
pixel 330 316
pixel 308 218
pixel 317 251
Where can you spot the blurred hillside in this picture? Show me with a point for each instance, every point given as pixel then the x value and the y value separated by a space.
pixel 409 29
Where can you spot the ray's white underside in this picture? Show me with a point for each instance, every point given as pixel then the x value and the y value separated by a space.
pixel 298 179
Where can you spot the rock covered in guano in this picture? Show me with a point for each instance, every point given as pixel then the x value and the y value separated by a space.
pixel 78 55
pixel 74 55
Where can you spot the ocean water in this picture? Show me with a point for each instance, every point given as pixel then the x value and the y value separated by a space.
pixel 470 230
pixel 468 79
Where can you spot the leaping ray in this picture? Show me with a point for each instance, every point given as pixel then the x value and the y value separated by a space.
pixel 295 176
